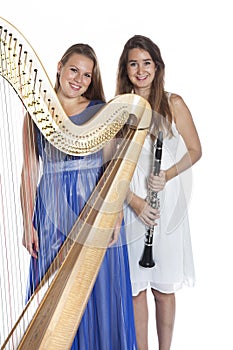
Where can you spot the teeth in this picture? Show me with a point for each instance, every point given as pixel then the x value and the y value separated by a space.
pixel 78 87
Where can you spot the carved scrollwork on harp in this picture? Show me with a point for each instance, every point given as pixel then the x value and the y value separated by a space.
pixel 22 69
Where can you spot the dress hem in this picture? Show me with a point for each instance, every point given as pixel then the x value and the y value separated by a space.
pixel 179 286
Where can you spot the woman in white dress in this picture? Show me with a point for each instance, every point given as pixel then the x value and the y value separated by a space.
pixel 141 71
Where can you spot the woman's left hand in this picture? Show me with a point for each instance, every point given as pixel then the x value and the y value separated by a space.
pixel 157 182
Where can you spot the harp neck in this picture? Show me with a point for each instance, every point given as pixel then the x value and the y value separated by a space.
pixel 22 68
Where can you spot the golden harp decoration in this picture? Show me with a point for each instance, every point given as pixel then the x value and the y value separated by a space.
pixel 57 317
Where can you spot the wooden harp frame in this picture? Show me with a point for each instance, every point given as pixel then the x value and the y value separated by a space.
pixel 56 321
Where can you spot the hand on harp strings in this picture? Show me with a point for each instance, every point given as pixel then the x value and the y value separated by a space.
pixel 153 200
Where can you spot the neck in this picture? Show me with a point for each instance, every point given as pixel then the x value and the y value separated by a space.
pixel 143 92
pixel 73 106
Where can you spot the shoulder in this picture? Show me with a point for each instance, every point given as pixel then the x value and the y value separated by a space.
pixel 94 106
pixel 175 99
pixel 178 106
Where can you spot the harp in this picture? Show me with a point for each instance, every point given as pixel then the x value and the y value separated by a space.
pixel 52 321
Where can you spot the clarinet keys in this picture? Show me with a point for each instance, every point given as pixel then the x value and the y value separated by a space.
pixel 153 201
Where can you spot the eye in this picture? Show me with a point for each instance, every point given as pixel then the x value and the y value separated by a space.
pixel 88 75
pixel 147 63
pixel 73 70
pixel 132 64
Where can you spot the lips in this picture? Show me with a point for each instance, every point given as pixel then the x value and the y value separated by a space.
pixel 142 77
pixel 75 87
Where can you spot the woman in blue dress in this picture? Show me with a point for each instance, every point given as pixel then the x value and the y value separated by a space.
pixel 55 187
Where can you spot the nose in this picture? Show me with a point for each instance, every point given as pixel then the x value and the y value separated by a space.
pixel 78 77
pixel 140 69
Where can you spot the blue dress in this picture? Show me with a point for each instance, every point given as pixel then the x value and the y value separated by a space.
pixel 65 185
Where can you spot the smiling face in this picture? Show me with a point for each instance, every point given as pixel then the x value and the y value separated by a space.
pixel 141 70
pixel 75 75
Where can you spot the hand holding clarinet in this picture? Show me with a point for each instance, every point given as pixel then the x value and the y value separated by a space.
pixel 157 182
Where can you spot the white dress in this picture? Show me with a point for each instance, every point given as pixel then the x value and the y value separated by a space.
pixel 172 250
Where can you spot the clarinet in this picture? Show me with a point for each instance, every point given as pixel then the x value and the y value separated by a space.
pixel 153 200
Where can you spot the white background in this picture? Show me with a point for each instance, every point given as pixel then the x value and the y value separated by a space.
pixel 195 38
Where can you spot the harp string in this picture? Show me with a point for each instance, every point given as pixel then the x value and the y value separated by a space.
pixel 14 259
pixel 15 316
pixel 13 273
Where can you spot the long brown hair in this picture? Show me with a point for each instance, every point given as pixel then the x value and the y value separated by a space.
pixel 158 98
pixel 95 90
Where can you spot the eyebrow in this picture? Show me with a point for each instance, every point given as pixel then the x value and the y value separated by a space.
pixel 76 67
pixel 146 59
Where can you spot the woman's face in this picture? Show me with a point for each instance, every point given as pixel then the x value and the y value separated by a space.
pixel 75 75
pixel 140 68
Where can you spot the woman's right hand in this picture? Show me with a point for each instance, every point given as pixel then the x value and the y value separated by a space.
pixel 144 211
pixel 30 241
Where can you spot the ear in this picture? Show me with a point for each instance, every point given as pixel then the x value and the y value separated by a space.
pixel 59 67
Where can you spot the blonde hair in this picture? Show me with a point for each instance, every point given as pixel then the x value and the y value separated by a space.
pixel 95 90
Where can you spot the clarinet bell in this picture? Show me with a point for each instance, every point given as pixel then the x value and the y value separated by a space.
pixel 147 258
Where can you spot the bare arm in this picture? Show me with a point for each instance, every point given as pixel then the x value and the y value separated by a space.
pixel 186 128
pixel 29 178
